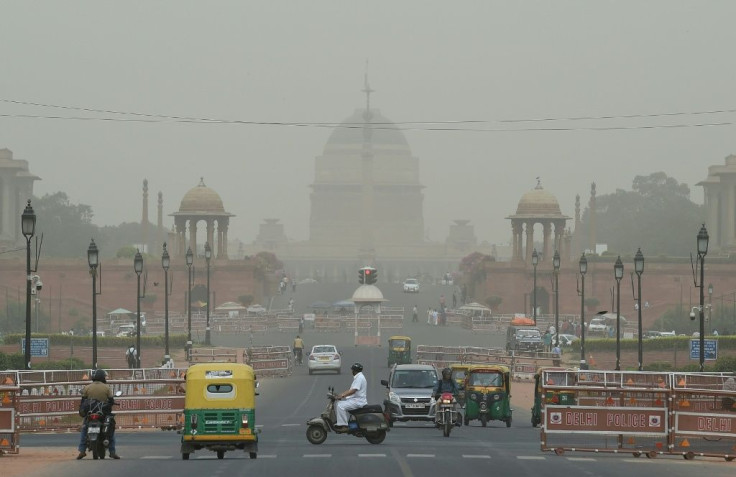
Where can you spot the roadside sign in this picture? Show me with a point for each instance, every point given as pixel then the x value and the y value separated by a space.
pixel 39 347
pixel 710 349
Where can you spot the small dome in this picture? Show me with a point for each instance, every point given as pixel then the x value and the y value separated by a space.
pixel 368 294
pixel 201 199
pixel 538 202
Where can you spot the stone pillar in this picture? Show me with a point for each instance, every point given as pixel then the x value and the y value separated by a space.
pixel 729 205
pixel 211 233
pixel 193 235
pixel 529 242
pixel 547 231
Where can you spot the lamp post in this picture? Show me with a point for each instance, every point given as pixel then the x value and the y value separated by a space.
pixel 166 263
pixel 639 269
pixel 710 309
pixel 583 263
pixel 190 260
pixel 138 267
pixel 93 259
pixel 702 252
pixel 556 267
pixel 28 227
pixel 618 273
pixel 535 261
pixel 207 256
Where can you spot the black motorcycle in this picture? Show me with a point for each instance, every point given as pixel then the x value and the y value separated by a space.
pixel 100 423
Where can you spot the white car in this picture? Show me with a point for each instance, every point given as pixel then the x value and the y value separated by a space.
pixel 324 358
pixel 411 285
pixel 257 309
pixel 597 325
pixel 567 340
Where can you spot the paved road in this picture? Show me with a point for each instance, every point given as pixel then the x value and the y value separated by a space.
pixel 285 404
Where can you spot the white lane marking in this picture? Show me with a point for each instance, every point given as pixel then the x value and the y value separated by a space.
pixel 371 455
pixel 581 459
pixel 317 455
pixel 476 456
pixel 157 457
pixel 290 425
pixel 266 456
pixel 420 455
pixel 530 457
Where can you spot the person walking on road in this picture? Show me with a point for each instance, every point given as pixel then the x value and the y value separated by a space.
pixel 414 314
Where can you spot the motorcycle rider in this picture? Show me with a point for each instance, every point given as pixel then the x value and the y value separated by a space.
pixel 353 398
pixel 448 385
pixel 298 349
pixel 99 391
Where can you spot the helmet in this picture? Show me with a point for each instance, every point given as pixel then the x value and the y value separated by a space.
pixel 446 373
pixel 99 375
pixel 357 367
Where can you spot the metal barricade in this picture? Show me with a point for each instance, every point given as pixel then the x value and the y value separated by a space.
pixel 9 416
pixel 270 360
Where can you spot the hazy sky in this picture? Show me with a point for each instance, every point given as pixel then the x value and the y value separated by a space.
pixel 304 61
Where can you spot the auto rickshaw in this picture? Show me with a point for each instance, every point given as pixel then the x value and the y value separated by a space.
pixel 554 376
pixel 399 350
pixel 488 394
pixel 220 409
pixel 459 372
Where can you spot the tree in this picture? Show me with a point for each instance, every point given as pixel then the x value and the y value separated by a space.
pixel 474 270
pixel 493 302
pixel 67 228
pixel 654 216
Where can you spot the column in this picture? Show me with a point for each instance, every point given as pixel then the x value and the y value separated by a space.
pixel 529 242
pixel 547 231
pixel 193 235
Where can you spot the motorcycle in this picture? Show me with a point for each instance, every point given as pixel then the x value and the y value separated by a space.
pixel 100 423
pixel 446 415
pixel 368 421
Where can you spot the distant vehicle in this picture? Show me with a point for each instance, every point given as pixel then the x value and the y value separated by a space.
pixel 597 325
pixel 667 333
pixel 307 280
pixel 257 309
pixel 567 340
pixel 651 334
pixel 409 392
pixel 523 338
pixel 126 330
pixel 324 358
pixel 411 285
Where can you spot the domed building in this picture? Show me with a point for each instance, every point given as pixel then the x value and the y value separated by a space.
pixel 537 206
pixel 202 204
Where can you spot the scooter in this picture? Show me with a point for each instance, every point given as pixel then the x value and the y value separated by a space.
pixel 368 421
pixel 100 422
pixel 446 415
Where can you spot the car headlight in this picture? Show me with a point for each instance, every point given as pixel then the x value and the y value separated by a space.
pixel 394 398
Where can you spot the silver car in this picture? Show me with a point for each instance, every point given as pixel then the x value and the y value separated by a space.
pixel 409 392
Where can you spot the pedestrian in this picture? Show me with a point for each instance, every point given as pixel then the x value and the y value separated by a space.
pixel 293 286
pixel 435 315
pixel 429 315
pixel 547 340
pixel 454 300
pixel 442 301
pixel 414 314
pixel 291 305
pixel 131 356
pixel 301 324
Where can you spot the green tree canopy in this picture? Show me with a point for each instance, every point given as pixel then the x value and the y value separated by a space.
pixel 67 228
pixel 657 216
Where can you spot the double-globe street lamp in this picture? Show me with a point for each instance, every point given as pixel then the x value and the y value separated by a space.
pixel 93 259
pixel 702 252
pixel 189 261
pixel 535 262
pixel 28 227
pixel 583 264
pixel 639 269
pixel 166 263
pixel 556 267
pixel 207 256
pixel 138 267
pixel 618 273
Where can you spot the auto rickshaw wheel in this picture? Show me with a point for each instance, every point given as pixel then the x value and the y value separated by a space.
pixel 220 454
pixel 185 456
pixel 466 421
pixel 253 455
pixel 483 420
pixel 316 434
pixel 688 455
pixel 377 437
pixel 508 422
pixel 729 458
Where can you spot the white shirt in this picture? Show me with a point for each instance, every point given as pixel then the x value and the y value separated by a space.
pixel 361 388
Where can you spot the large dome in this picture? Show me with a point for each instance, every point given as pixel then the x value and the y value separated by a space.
pixel 383 131
pixel 201 199
pixel 538 203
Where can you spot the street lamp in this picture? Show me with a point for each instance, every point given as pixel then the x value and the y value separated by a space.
pixel 618 272
pixel 702 252
pixel 138 267
pixel 583 270
pixel 639 269
pixel 93 259
pixel 28 227
pixel 710 309
pixel 535 261
pixel 189 260
pixel 207 256
pixel 166 263
pixel 556 267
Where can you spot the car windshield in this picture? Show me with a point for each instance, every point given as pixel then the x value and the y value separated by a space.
pixel 414 378
pixel 398 343
pixel 528 333
pixel 411 281
pixel 324 349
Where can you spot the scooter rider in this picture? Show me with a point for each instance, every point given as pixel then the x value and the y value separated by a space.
pixel 99 391
pixel 447 385
pixel 298 349
pixel 353 398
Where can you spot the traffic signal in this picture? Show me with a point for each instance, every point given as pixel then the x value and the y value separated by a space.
pixel 371 275
pixel 361 276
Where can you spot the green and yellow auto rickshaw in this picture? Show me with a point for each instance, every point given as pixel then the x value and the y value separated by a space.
pixel 488 394
pixel 554 376
pixel 459 373
pixel 220 409
pixel 399 350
